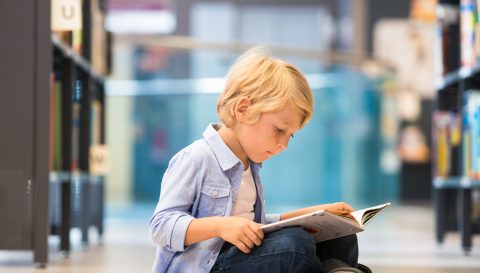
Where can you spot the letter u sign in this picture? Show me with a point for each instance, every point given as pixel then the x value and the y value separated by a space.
pixel 68 12
pixel 66 15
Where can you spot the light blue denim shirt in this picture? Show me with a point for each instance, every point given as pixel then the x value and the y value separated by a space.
pixel 202 180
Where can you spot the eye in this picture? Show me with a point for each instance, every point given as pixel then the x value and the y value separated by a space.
pixel 292 136
pixel 280 131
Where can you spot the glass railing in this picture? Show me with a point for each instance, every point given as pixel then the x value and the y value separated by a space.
pixel 336 157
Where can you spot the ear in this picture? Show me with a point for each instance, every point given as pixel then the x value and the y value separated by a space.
pixel 241 109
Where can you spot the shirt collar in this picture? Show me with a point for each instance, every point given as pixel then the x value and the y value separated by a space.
pixel 225 157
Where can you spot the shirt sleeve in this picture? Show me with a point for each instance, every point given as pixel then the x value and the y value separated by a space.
pixel 172 216
pixel 272 218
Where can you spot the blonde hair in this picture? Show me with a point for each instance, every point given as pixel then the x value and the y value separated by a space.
pixel 271 84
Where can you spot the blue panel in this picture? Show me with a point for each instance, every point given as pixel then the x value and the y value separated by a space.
pixel 336 157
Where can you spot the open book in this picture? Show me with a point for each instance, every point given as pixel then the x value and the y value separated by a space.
pixel 324 225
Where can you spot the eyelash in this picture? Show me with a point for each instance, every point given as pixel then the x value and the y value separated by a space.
pixel 281 131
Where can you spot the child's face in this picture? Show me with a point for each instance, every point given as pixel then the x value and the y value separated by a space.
pixel 270 134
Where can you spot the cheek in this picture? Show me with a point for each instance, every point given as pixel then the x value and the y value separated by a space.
pixel 255 139
pixel 260 138
pixel 264 138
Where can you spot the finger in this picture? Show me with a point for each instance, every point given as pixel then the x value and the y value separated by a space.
pixel 247 241
pixel 257 228
pixel 345 207
pixel 349 215
pixel 253 236
pixel 349 208
pixel 310 230
pixel 243 248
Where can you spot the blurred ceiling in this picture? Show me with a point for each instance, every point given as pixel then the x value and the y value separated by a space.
pixel 138 4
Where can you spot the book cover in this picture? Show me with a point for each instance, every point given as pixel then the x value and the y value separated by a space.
pixel 76 109
pixel 52 123
pixel 57 127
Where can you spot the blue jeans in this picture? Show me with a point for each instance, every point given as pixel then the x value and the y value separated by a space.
pixel 287 250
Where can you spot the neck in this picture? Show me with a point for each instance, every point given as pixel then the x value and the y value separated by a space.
pixel 231 140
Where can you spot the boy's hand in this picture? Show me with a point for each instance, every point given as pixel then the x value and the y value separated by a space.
pixel 241 232
pixel 340 208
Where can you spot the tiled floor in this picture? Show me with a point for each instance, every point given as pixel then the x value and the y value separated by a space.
pixel 125 248
pixel 400 240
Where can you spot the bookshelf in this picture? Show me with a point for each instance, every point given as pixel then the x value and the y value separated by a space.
pixel 456 121
pixel 77 120
pixel 24 126
pixel 47 132
pixel 81 87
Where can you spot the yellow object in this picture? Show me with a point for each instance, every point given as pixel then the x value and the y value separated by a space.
pixel 455 135
pixel 467 161
pixel 443 154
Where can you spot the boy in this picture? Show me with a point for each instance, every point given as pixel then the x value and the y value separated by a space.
pixel 210 210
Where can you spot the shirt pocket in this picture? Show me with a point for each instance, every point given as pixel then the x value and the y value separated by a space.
pixel 213 200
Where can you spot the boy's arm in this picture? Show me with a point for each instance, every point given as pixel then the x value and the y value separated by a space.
pixel 338 208
pixel 239 231
pixel 272 218
pixel 172 225
pixel 178 191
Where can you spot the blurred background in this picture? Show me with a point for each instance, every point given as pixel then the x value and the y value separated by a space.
pixel 133 82
pixel 164 82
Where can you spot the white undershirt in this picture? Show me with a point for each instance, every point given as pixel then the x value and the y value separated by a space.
pixel 247 195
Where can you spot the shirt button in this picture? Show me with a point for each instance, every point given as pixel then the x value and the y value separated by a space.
pixel 214 193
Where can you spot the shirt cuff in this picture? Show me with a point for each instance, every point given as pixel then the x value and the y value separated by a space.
pixel 177 241
pixel 272 218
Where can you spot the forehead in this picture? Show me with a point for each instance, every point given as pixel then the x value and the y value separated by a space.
pixel 288 116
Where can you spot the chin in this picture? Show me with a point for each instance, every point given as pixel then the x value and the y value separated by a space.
pixel 261 159
pixel 257 159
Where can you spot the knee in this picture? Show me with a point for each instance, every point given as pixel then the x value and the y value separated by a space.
pixel 345 249
pixel 292 250
pixel 349 241
pixel 295 239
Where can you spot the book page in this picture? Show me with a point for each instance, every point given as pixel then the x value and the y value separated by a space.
pixel 331 226
pixel 364 216
pixel 321 225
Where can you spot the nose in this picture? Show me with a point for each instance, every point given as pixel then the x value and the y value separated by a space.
pixel 283 143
